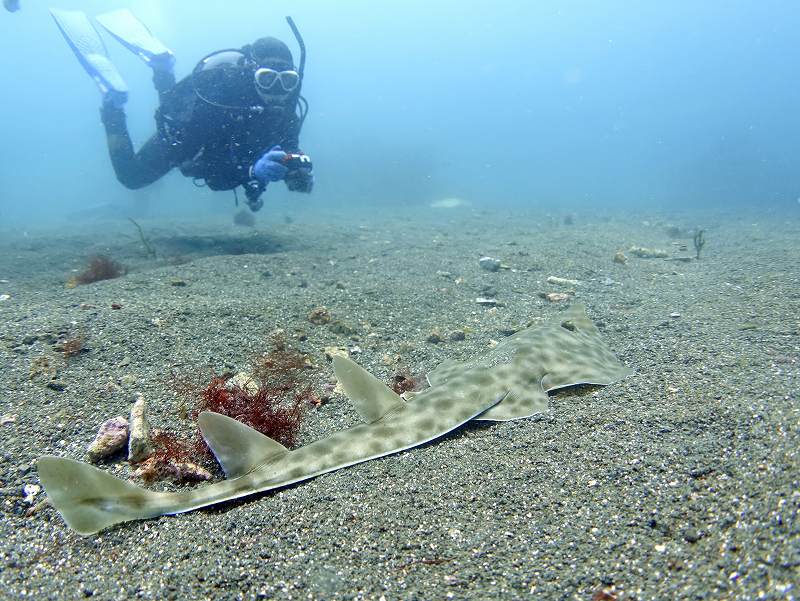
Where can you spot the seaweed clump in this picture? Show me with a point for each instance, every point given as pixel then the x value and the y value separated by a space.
pixel 259 406
pixel 273 401
pixel 100 267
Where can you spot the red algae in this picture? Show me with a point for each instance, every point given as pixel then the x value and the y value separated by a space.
pixel 100 267
pixel 273 401
pixel 259 406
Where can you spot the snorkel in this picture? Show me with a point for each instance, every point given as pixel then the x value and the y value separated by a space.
pixel 301 101
pixel 301 44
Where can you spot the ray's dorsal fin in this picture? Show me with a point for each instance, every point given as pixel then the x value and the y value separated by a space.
pixel 237 447
pixel 575 318
pixel 371 397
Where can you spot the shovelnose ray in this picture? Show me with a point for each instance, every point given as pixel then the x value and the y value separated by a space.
pixel 508 382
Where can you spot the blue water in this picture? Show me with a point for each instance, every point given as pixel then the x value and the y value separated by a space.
pixel 558 104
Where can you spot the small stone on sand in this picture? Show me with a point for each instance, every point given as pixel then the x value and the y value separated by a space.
pixel 111 437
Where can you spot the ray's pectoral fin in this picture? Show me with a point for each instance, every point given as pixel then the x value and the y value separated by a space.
pixel 371 397
pixel 237 447
pixel 517 404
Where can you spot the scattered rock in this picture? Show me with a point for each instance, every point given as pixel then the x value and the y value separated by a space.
pixel 561 281
pixel 140 446
pixel 244 381
pixel 336 351
pixel 111 437
pixel 486 301
pixel 488 291
pixel 38 507
pixel 648 253
pixel 619 257
pixel 556 297
pixel 456 335
pixel 342 328
pixel 489 263
pixel 5 297
pixel 7 419
pixel 434 337
pixel 30 491
pixel 177 283
pixel 319 316
pixel 674 315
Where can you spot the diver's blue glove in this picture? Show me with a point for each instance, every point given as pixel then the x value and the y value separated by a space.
pixel 269 167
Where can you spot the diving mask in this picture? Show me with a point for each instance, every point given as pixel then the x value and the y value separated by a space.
pixel 267 80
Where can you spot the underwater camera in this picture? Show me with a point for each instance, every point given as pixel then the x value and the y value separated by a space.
pixel 296 160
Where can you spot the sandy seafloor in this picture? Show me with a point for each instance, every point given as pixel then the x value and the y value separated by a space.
pixel 680 482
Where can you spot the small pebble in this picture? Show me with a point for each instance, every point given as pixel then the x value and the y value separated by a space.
pixel 319 316
pixel 112 436
pixel 489 263
pixel 140 446
pixel 561 281
pixel 30 491
pixel 434 337
pixel 335 351
pixel 674 315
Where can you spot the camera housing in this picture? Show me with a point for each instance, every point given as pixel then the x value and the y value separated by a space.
pixel 297 160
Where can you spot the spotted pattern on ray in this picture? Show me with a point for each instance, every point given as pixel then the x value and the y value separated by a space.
pixel 564 351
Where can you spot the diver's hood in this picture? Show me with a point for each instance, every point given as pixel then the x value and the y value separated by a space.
pixel 226 78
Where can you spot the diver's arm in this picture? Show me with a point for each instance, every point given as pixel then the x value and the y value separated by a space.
pixel 134 169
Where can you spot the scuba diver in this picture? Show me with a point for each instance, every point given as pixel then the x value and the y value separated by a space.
pixel 234 121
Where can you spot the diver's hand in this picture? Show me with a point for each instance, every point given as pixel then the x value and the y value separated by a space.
pixel 269 167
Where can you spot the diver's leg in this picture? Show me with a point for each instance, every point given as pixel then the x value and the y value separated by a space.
pixel 134 169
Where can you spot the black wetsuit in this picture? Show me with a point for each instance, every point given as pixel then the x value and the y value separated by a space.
pixel 211 144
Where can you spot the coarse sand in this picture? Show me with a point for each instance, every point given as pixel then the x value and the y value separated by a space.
pixel 680 482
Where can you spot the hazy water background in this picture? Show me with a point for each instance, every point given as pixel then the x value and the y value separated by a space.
pixel 552 104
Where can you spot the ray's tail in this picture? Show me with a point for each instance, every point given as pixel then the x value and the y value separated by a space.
pixel 90 499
